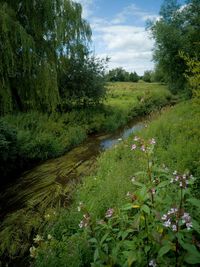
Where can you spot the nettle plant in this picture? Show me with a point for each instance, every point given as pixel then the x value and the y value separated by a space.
pixel 155 227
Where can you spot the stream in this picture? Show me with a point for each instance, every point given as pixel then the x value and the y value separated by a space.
pixel 68 169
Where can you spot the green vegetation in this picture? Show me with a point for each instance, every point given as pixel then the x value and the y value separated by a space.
pixel 36 136
pixel 176 31
pixel 116 239
pixel 121 75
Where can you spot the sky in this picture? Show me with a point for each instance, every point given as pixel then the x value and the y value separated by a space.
pixel 118 31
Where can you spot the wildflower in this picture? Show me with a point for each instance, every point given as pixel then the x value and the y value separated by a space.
pixel 174 227
pixel 172 180
pixel 136 138
pixel 181 184
pixel 189 225
pixel 133 179
pixel 167 223
pixel 152 141
pixel 177 178
pixel 143 148
pixel 119 139
pixel 133 147
pixel 186 217
pixel 153 191
pixel 37 239
pixel 109 213
pixel 81 224
pixel 164 217
pixel 175 173
pixel 32 252
pixel 152 263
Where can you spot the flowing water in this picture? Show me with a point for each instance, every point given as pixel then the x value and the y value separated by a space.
pixel 46 179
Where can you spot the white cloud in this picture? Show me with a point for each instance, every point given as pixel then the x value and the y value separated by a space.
pixel 127 45
pixel 134 12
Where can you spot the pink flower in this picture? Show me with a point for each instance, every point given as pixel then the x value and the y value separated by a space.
pixel 143 148
pixel 152 141
pixel 133 147
pixel 109 213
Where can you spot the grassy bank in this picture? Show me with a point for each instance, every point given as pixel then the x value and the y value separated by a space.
pixel 123 239
pixel 28 138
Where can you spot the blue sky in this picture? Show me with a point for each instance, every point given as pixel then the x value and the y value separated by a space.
pixel 118 28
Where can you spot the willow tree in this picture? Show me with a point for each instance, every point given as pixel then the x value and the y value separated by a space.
pixel 34 36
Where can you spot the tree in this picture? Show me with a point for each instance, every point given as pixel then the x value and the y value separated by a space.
pixel 177 30
pixel 147 76
pixel 82 81
pixel 34 35
pixel 118 75
pixel 133 77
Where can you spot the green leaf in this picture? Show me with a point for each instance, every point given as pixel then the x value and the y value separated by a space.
pixel 164 250
pixel 96 254
pixel 146 209
pixel 93 240
pixel 162 184
pixel 127 206
pixel 195 202
pixel 192 258
pixel 196 226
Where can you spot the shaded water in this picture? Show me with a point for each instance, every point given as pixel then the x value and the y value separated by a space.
pixel 34 185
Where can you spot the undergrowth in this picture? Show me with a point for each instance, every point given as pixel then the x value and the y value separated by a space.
pixel 113 235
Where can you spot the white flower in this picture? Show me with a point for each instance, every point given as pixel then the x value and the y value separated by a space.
pixel 174 227
pixel 167 223
pixel 189 225
pixel 136 138
pixel 37 239
pixel 175 173
pixel 32 252
pixel 81 224
pixel 164 217
pixel 152 141
pixel 133 179
pixel 152 263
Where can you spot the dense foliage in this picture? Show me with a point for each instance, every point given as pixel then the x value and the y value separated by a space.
pixel 176 30
pixel 44 50
pixel 121 75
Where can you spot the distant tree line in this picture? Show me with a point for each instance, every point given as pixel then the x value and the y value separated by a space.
pixel 177 38
pixel 121 75
pixel 45 61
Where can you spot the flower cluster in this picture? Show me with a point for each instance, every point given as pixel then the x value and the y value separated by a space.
pixel 109 213
pixel 85 221
pixel 172 218
pixel 186 219
pixel 142 145
pixel 182 180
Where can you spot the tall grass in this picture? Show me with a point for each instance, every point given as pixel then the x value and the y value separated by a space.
pixel 177 134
